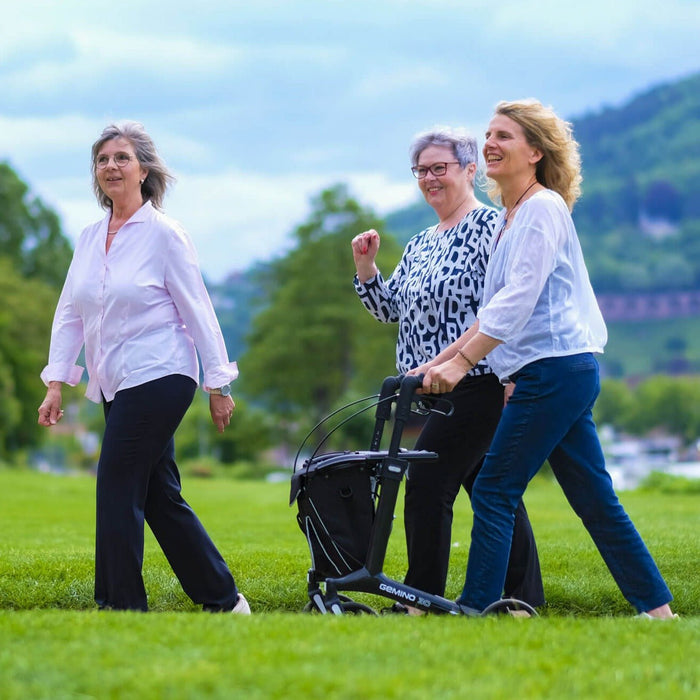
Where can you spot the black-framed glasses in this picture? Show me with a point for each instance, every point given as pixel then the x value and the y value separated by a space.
pixel 121 160
pixel 437 169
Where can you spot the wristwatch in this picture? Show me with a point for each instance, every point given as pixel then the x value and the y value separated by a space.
pixel 224 390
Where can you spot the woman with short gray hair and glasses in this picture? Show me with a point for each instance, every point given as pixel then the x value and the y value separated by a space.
pixel 433 295
pixel 135 298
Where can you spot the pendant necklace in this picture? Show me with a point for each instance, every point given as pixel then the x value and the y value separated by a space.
pixel 512 209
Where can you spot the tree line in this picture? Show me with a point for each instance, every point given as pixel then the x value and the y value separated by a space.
pixel 311 347
pixel 34 258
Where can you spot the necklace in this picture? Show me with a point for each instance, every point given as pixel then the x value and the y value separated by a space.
pixel 511 210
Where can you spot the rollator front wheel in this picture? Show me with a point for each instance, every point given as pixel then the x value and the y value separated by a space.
pixel 347 605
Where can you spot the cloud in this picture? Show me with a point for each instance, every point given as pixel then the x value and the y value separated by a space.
pixel 234 218
pixel 385 84
pixel 46 136
pixel 239 218
pixel 258 106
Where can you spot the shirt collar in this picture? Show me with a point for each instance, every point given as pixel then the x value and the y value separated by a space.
pixel 144 213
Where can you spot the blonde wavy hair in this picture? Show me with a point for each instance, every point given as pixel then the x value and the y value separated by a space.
pixel 559 169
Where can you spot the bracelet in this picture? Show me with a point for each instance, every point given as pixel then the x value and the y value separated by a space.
pixel 469 362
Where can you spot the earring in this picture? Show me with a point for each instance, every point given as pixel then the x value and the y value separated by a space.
pixel 140 182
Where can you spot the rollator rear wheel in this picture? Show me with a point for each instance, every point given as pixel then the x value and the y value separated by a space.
pixel 508 606
pixel 353 608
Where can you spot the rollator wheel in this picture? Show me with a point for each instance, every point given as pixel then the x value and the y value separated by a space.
pixel 311 606
pixel 509 606
pixel 353 608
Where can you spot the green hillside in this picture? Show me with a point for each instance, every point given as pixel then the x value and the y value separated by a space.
pixel 638 219
pixel 634 152
pixel 639 216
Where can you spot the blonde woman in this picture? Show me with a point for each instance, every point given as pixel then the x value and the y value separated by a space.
pixel 540 325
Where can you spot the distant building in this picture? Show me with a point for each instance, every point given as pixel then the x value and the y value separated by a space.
pixel 649 305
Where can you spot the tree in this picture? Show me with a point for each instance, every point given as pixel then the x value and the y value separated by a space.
pixel 30 232
pixel 34 258
pixel 663 201
pixel 25 325
pixel 614 403
pixel 667 402
pixel 248 434
pixel 313 343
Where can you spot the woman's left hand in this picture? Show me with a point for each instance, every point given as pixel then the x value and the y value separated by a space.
pixel 444 377
pixel 221 409
pixel 508 392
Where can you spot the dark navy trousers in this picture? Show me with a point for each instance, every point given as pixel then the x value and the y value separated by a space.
pixel 137 480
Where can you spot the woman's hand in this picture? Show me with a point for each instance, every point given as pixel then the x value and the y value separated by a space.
pixel 50 411
pixel 421 369
pixel 364 251
pixel 221 409
pixel 442 378
pixel 508 392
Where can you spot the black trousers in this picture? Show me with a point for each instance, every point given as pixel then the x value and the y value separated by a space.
pixel 461 442
pixel 137 480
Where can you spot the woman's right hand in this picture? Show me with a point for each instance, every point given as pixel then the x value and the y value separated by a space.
pixel 364 251
pixel 50 411
pixel 421 369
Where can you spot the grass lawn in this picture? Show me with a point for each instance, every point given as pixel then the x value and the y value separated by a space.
pixel 586 644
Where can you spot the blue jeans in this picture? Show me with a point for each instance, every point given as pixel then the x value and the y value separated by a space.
pixel 549 417
pixel 461 441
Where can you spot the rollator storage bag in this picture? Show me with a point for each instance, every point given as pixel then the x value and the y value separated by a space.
pixel 336 510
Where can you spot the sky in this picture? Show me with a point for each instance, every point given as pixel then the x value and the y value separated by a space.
pixel 258 106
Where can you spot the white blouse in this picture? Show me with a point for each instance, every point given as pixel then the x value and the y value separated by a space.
pixel 538 299
pixel 140 310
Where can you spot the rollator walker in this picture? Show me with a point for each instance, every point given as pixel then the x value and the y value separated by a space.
pixel 346 502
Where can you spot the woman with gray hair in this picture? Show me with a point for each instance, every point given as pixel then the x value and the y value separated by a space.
pixel 433 294
pixel 135 298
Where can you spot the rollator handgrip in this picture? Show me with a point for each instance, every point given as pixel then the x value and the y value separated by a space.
pixel 409 384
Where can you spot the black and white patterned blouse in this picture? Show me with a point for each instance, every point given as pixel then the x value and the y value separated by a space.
pixel 435 290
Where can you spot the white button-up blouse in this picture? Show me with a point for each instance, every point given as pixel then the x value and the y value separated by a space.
pixel 538 297
pixel 140 310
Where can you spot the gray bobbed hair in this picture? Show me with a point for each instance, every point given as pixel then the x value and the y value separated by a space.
pixel 159 177
pixel 462 144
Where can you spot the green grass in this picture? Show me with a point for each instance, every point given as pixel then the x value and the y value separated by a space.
pixel 586 644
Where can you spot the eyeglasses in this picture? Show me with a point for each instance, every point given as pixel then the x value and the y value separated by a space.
pixel 121 160
pixel 437 169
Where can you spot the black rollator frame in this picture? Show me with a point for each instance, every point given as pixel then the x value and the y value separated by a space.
pixel 346 506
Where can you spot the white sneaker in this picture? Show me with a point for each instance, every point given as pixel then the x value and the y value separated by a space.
pixel 647 616
pixel 241 607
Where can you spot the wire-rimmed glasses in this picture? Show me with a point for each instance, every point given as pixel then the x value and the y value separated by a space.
pixel 121 160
